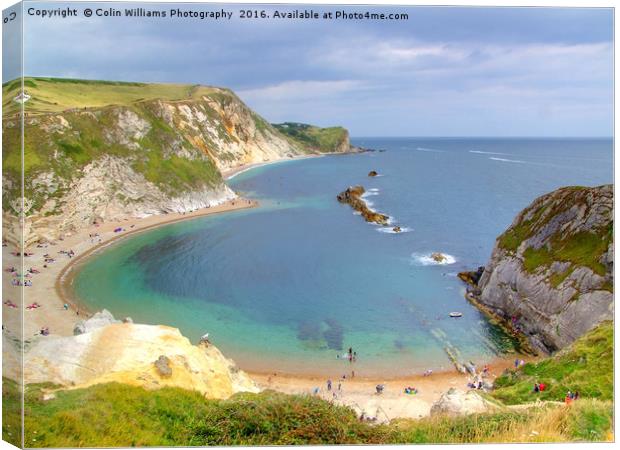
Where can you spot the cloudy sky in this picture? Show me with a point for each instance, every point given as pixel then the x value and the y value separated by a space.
pixel 443 72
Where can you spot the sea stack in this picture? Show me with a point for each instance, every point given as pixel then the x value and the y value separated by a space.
pixel 353 196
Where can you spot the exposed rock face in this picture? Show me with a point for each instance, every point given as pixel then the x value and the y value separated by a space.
pixel 148 157
pixel 457 403
pixel 152 356
pixel 353 196
pixel 98 320
pixel 551 272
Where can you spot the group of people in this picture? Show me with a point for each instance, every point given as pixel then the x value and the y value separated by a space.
pixel 350 355
pixel 539 387
pixel 519 363
pixel 69 253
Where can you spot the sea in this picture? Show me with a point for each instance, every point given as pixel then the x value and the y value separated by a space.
pixel 289 286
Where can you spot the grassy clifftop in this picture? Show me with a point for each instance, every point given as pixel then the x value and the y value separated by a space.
pixel 49 95
pixel 108 150
pixel 324 140
pixel 120 415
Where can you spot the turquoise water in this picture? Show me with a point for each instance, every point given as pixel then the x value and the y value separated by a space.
pixel 291 285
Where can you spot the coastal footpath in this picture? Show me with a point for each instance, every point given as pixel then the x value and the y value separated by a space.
pixel 550 275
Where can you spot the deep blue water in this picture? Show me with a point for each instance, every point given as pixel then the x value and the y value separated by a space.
pixel 292 284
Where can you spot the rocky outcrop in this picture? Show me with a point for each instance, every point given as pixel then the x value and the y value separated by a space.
pixel 458 403
pixel 151 356
pixel 551 273
pixel 353 196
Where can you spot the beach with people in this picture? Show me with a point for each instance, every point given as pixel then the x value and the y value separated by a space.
pixel 51 309
pixel 49 266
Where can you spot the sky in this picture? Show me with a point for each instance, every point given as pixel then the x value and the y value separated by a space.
pixel 443 72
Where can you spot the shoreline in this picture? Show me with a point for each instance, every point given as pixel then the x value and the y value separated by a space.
pixel 359 393
pixel 232 173
pixel 52 288
pixel 66 275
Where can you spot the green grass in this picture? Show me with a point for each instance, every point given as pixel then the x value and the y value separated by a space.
pixel 314 138
pixel 11 412
pixel 579 249
pixel 111 415
pixel 59 94
pixel 586 366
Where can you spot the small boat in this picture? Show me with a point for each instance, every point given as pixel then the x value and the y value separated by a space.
pixel 456 314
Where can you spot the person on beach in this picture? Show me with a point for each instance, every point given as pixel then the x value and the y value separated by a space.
pixel 66 306
pixel 329 385
pixel 339 386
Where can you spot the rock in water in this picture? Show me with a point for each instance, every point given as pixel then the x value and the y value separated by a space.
pixel 397 229
pixel 439 257
pixel 353 196
pixel 457 403
pixel 551 271
pixel 372 173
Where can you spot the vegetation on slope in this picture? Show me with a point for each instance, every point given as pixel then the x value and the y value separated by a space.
pixel 586 366
pixel 112 415
pixel 65 154
pixel 61 94
pixel 325 140
pixel 584 248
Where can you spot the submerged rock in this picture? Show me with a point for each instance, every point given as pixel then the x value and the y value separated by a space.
pixel 353 196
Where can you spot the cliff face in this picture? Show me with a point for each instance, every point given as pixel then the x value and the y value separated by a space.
pixel 103 151
pixel 151 356
pixel 552 270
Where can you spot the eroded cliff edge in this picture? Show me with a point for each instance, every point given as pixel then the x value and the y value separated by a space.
pixel 551 272
pixel 105 350
pixel 97 151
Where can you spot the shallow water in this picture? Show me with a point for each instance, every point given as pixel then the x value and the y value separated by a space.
pixel 290 286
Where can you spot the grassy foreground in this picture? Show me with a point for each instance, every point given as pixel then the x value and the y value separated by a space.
pixel 121 415
pixel 112 415
pixel 587 366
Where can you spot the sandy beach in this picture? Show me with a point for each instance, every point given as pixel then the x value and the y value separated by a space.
pixel 48 287
pixel 51 289
pixel 360 394
pixel 231 173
